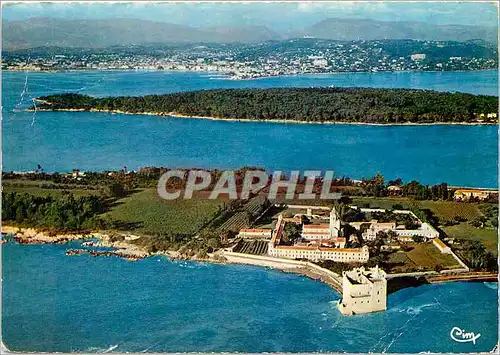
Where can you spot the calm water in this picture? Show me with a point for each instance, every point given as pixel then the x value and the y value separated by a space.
pixel 91 141
pixel 52 302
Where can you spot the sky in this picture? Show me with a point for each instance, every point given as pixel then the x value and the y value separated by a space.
pixel 278 16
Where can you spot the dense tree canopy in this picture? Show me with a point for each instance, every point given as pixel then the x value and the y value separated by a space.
pixel 314 104
pixel 65 212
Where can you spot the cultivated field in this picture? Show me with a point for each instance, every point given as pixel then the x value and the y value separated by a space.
pixel 444 210
pixel 427 254
pixel 255 247
pixel 447 211
pixel 155 215
pixel 488 236
pixel 243 218
pixel 422 257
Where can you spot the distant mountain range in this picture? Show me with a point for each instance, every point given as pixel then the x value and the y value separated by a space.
pixel 43 32
pixel 349 29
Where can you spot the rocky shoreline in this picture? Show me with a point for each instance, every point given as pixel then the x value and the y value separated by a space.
pixel 217 118
pixel 96 253
pixel 125 250
pixel 131 252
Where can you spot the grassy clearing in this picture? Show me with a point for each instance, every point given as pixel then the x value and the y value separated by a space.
pixel 488 236
pixel 40 188
pixel 154 215
pixel 400 262
pixel 426 254
pixel 423 256
pixel 382 202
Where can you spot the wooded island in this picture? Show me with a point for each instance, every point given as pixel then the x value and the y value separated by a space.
pixel 349 105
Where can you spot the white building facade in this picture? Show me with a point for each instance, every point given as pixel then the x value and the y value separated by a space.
pixel 363 291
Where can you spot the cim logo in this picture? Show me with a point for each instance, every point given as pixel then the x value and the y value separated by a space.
pixel 461 336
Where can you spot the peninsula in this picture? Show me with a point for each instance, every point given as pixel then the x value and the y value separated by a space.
pixel 415 233
pixel 315 105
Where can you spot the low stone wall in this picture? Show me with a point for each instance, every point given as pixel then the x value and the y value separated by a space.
pixel 259 260
pixel 427 273
pixel 466 268
pixel 302 267
pixel 412 274
pixel 454 271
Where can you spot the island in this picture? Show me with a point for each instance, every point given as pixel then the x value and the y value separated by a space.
pixel 373 237
pixel 313 105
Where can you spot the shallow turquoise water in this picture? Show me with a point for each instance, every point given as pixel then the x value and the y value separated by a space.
pixel 53 302
pixel 459 155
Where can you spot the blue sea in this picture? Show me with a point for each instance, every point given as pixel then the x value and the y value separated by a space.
pixel 61 141
pixel 53 302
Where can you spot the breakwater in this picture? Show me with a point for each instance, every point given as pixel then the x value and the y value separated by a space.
pixel 306 268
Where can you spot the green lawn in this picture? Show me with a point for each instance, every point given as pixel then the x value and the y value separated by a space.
pixel 155 215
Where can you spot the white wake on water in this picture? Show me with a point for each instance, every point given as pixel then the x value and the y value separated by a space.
pixel 492 285
pixel 98 350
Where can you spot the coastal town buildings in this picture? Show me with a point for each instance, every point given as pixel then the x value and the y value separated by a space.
pixel 322 231
pixel 425 230
pixel 316 231
pixel 316 253
pixel 394 190
pixel 318 240
pixel 264 59
pixel 317 248
pixel 419 56
pixel 363 291
pixel 370 229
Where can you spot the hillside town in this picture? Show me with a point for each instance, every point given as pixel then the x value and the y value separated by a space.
pixel 292 57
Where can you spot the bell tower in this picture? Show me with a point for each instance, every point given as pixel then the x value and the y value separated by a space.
pixel 334 227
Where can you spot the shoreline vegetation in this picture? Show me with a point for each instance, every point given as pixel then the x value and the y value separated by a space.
pixel 122 210
pixel 292 105
pixel 131 252
pixel 215 118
